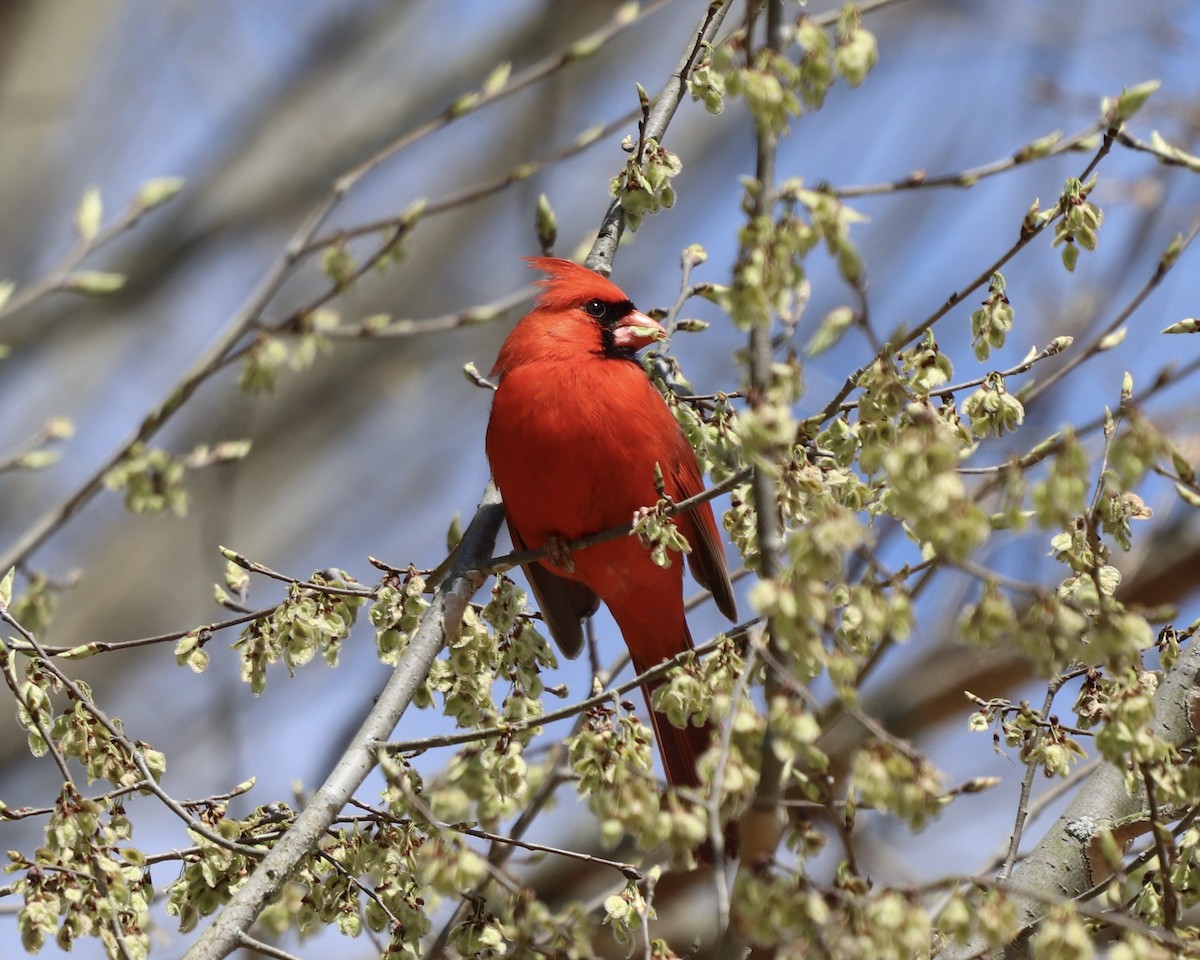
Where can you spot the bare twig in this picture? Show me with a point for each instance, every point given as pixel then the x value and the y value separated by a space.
pixel 60 278
pixel 1014 842
pixel 266 949
pixel 479 191
pixel 1052 145
pixel 104 646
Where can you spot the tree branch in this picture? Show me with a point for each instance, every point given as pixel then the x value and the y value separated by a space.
pixel 600 257
pixel 762 825
pixel 439 624
pixel 1058 867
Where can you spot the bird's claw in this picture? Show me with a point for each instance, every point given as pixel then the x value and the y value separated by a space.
pixel 558 552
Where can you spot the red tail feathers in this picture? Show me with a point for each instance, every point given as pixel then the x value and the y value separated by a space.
pixel 681 749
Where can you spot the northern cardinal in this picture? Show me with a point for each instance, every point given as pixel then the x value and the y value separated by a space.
pixel 575 432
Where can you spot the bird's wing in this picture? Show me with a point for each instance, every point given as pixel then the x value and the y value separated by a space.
pixel 564 603
pixel 707 559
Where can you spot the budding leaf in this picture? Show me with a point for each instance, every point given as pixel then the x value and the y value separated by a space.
pixel 547 224
pixel 1116 110
pixel 1188 495
pixel 88 214
pixel 497 79
pixel 835 323
pixel 154 193
pixel 94 282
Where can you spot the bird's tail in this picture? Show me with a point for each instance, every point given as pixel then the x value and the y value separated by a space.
pixel 681 748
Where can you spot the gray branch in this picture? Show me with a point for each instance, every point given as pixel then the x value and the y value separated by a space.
pixel 600 257
pixel 1058 868
pixel 438 625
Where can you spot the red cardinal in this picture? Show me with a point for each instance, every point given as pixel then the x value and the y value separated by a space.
pixel 575 432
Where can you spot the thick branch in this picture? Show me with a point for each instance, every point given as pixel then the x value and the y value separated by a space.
pixel 1058 869
pixel 439 624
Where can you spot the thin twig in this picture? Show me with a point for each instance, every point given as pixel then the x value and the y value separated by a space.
pixel 422 744
pixel 516 558
pixel 14 684
pixel 716 834
pixel 1170 899
pixel 60 277
pixel 1165 265
pixel 920 180
pixel 135 754
pixel 266 949
pixel 106 646
pixel 479 191
pixel 1029 231
pixel 1031 767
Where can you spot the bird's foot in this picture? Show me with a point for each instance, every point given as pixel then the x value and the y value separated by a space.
pixel 558 552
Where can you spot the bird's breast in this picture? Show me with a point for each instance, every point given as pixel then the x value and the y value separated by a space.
pixel 573 452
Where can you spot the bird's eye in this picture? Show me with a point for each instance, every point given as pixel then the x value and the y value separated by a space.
pixel 595 308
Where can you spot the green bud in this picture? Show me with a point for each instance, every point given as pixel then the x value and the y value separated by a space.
pixel 338 264
pixel 497 79
pixel 94 282
pixel 156 192
pixel 833 325
pixel 36 459
pixel 88 214
pixel 547 224
pixel 1042 147
pixel 1114 111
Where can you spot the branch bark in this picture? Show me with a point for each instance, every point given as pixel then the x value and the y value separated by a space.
pixel 600 257
pixel 1058 867
pixel 439 625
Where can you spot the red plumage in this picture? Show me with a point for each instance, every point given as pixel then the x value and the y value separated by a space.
pixel 575 431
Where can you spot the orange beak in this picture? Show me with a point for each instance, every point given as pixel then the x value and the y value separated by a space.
pixel 636 330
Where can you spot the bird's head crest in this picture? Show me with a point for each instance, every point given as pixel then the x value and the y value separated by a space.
pixel 569 283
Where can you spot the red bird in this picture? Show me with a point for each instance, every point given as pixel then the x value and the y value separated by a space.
pixel 575 432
